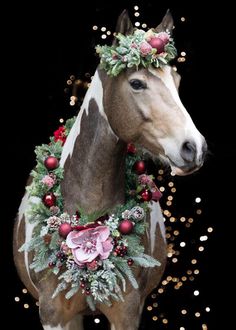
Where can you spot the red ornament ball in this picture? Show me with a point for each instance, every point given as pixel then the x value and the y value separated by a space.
pixel 146 195
pixel 130 262
pixel 131 149
pixel 126 226
pixel 157 43
pixel 49 199
pixel 51 163
pixel 64 229
pixel 140 167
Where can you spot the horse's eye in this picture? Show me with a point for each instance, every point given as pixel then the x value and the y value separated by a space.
pixel 137 84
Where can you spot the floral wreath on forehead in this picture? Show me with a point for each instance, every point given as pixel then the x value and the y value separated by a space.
pixel 139 49
pixel 96 253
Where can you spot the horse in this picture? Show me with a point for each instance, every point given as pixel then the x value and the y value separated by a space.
pixel 141 106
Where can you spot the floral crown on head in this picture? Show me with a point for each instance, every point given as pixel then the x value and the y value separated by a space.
pixel 139 49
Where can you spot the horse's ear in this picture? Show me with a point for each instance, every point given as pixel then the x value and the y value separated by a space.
pixel 167 23
pixel 124 24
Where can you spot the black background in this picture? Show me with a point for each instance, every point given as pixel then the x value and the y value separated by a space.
pixel 43 45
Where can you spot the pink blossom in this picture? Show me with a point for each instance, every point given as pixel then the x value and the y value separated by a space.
pixel 164 36
pixel 88 244
pixel 145 48
pixel 145 179
pixel 48 181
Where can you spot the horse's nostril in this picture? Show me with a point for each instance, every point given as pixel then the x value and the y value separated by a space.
pixel 188 151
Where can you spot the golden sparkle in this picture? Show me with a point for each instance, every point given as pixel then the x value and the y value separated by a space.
pixel 184 278
pixel 170 198
pixel 24 290
pixel 169 278
pixel 173 190
pixel 172 219
pixel 155 318
pixel 171 184
pixel 181 328
pixel 26 306
pixel 61 120
pixel 182 244
pixel 189 272
pixel 184 311
pixel 165 321
pixel 137 23
pixel 196 271
pixel 174 260
pixel 176 232
pixel 197 314
pixel 191 278
pixel 103 29
pixel 203 238
pixel 210 230
pixel 144 25
pixel 17 299
pixel 136 14
pixel 196 293
pixel 183 54
pixel 183 19
pixel 136 7
pixel 95 27
pixel 149 308
pixel 190 220
pixel 162 189
pixel 182 219
pixel 160 290
pixel 69 82
pixel 154 296
pixel 108 33
pixel 207 309
pixel 155 304
pixel 103 36
pixel 160 172
pixel 201 248
pixel 204 326
pixel 199 211
pixel 164 282
pixel 168 203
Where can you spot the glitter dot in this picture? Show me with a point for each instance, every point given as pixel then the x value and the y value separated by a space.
pixel 182 244
pixel 183 19
pixel 196 271
pixel 136 14
pixel 61 120
pixel 17 299
pixel 149 308
pixel 196 293
pixel 96 320
pixel 137 23
pixel 210 230
pixel 184 311
pixel 24 290
pixel 69 82
pixel 26 306
pixel 169 278
pixel 174 260
pixel 165 321
pixel 197 199
pixel 184 278
pixel 207 309
pixel 154 296
pixel 160 290
pixel 95 27
pixel 108 33
pixel 184 54
pixel 197 314
pixel 103 29
pixel 171 184
pixel 162 189
pixel 193 261
pixel 160 172
pixel 155 304
pixel 172 219
pixel 181 328
pixel 190 220
pixel 173 190
pixel 144 25
pixel 201 248
pixel 176 232
pixel 103 36
pixel 136 8
pixel 199 211
pixel 155 318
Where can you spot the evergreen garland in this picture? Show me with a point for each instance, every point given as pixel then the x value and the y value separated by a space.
pixel 101 279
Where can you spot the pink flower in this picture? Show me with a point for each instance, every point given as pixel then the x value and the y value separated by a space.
pixel 145 48
pixel 164 36
pixel 145 179
pixel 48 181
pixel 88 244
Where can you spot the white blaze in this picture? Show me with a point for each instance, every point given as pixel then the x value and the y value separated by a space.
pixel 190 132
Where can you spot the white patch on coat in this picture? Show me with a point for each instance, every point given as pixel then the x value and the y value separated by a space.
pixel 95 91
pixel 58 327
pixel 29 227
pixel 113 326
pixel 156 217
pixel 190 130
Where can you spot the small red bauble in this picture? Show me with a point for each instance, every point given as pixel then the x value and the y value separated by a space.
pixel 51 163
pixel 146 195
pixel 140 167
pixel 157 43
pixel 131 149
pixel 49 199
pixel 130 262
pixel 64 229
pixel 126 226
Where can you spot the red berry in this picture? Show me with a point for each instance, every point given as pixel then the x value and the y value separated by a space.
pixel 146 195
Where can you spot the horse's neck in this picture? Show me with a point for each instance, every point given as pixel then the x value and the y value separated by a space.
pixel 93 158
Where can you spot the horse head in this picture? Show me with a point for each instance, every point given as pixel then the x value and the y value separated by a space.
pixel 147 110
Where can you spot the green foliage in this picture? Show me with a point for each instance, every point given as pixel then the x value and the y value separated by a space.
pixel 132 51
